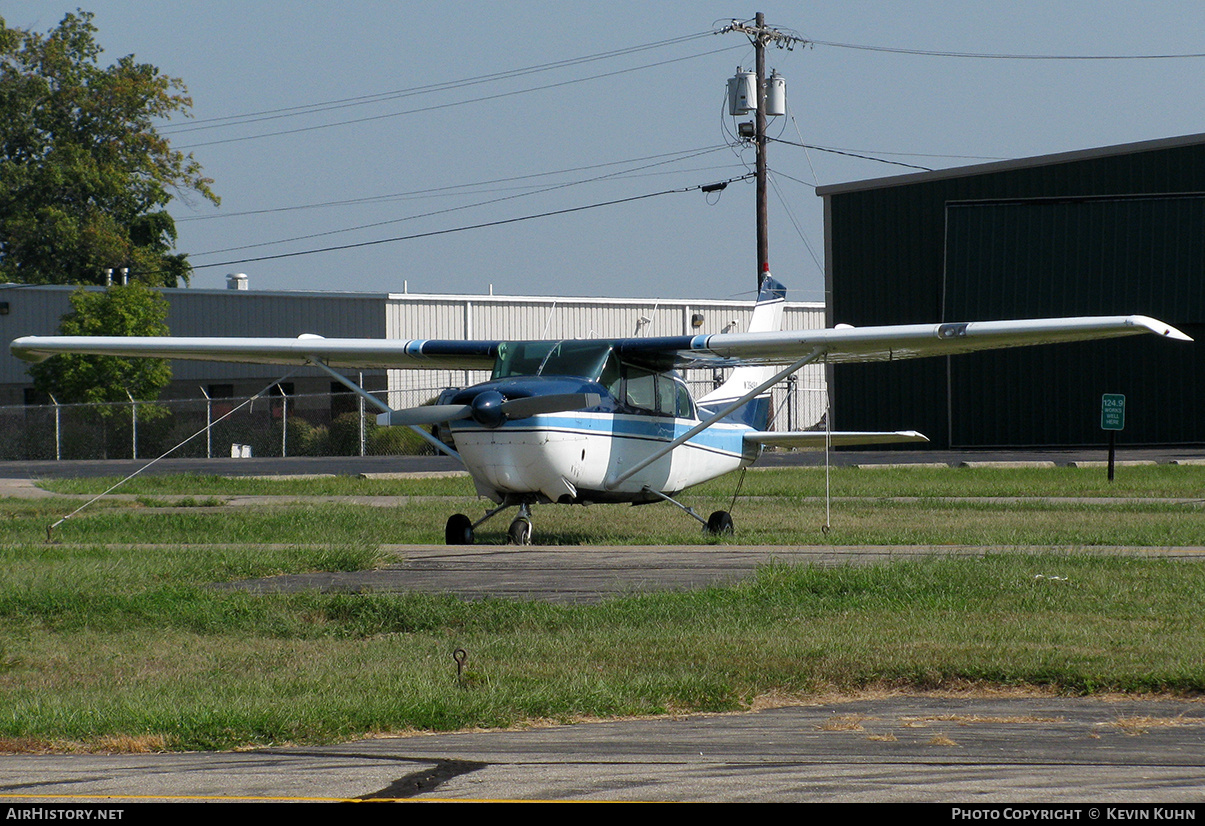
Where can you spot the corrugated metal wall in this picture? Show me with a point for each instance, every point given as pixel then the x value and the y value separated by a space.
pixel 36 311
pixel 893 258
pixel 1092 256
pixel 525 317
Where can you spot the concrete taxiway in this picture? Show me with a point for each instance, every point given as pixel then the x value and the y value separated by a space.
pixel 577 574
pixel 885 749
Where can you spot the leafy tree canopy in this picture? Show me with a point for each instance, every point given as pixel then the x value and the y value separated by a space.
pixel 133 309
pixel 84 175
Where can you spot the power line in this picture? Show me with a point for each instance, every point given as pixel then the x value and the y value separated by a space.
pixel 795 223
pixel 360 100
pixel 438 106
pixel 462 207
pixel 456 229
pixel 850 154
pixel 1005 56
pixel 684 154
pixel 796 180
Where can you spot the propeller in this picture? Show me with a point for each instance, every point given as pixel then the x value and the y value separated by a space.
pixel 490 408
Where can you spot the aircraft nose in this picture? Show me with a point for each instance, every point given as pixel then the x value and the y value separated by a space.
pixel 487 409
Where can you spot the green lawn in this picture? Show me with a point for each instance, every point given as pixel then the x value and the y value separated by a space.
pixel 113 637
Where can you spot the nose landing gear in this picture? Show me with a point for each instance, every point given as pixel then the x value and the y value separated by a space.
pixel 460 528
pixel 520 531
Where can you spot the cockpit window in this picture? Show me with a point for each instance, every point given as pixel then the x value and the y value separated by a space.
pixel 582 359
pixel 659 393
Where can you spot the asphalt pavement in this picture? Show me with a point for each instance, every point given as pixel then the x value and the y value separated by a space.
pixel 970 750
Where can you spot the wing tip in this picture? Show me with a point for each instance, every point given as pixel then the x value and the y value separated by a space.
pixel 1160 328
pixel 22 348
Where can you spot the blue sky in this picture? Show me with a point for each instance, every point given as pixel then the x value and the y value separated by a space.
pixel 432 159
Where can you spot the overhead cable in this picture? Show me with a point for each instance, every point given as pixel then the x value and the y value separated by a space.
pixel 850 154
pixel 438 106
pixel 460 207
pixel 451 230
pixel 996 56
pixel 361 100
pixel 684 154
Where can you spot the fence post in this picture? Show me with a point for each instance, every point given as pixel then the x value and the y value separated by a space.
pixel 133 426
pixel 792 381
pixel 58 452
pixel 208 424
pixel 360 400
pixel 284 422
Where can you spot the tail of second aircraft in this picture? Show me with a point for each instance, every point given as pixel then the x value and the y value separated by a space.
pixel 767 317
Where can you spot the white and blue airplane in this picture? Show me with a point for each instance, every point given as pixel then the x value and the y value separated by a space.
pixel 582 421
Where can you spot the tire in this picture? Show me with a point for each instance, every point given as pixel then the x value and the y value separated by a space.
pixel 520 532
pixel 719 524
pixel 459 530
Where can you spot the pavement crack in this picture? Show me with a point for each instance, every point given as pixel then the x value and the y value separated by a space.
pixel 427 780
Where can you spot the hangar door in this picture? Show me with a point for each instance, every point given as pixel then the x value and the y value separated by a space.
pixel 1071 257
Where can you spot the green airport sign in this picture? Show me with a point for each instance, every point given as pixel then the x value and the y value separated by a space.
pixel 1112 411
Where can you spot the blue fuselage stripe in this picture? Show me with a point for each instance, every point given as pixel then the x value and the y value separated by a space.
pixel 720 438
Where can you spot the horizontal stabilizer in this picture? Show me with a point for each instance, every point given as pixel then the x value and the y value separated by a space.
pixel 817 438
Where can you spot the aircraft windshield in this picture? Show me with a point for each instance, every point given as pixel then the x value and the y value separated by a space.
pixel 583 359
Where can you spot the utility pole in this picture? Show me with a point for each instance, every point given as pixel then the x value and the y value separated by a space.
pixel 760 35
pixel 759 139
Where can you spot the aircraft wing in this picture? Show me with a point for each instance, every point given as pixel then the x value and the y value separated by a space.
pixel 842 344
pixel 818 438
pixel 335 352
pixel 904 341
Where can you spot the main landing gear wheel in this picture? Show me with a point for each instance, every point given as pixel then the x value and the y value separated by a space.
pixel 719 524
pixel 459 530
pixel 520 531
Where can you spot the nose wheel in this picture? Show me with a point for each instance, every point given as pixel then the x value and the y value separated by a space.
pixel 520 531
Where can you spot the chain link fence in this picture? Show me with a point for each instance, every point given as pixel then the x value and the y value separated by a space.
pixel 298 425
pixel 320 424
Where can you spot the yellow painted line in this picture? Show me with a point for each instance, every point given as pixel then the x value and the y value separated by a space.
pixel 231 799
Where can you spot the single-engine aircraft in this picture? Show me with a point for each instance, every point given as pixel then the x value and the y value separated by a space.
pixel 582 421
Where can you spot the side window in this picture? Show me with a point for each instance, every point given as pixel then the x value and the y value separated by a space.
pixel 610 376
pixel 656 393
pixel 685 408
pixel 667 395
pixel 641 388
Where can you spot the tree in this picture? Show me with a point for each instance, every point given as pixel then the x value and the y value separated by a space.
pixel 84 175
pixel 133 309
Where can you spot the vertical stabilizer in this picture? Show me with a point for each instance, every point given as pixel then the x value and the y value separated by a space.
pixel 767 317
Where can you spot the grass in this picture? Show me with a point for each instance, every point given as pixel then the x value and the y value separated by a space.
pixel 116 635
pixel 198 485
pixel 198 668
pixel 1143 481
pixel 767 521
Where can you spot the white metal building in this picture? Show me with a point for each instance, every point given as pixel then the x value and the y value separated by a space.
pixel 35 310
pixel 798 405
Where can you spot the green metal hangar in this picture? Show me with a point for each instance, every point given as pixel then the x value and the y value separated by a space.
pixel 1109 231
